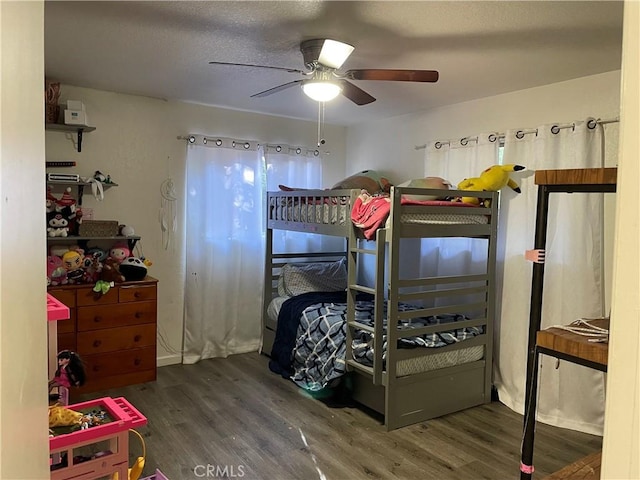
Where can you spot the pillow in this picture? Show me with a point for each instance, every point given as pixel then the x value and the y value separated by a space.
pixel 299 278
pixel 427 182
pixel 370 180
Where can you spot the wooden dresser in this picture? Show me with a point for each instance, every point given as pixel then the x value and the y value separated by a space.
pixel 114 333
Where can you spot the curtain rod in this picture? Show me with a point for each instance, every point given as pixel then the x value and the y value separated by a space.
pixel 278 147
pixel 591 124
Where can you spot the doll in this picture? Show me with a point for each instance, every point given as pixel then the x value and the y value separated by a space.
pixel 70 373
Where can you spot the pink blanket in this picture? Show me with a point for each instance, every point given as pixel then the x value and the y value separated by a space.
pixel 369 213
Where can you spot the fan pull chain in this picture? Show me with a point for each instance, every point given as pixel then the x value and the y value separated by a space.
pixel 321 140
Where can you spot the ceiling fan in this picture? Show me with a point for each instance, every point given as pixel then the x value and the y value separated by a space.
pixel 322 82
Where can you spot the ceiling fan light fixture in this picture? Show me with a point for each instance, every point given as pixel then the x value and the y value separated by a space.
pixel 321 90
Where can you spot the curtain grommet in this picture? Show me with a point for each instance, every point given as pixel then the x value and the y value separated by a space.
pixel 555 129
pixel 493 137
pixel 592 123
pixel 464 141
pixel 192 139
pixel 519 134
pixel 219 142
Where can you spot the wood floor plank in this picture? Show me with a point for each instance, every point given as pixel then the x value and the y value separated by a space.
pixel 238 419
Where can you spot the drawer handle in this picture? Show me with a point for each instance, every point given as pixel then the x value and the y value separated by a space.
pixel 97 319
pixel 97 343
pixel 138 314
pixel 137 338
pixel 137 362
pixel 96 368
pixel 136 295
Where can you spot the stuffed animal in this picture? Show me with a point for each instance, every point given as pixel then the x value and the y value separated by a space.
pixel 55 271
pixel 369 180
pixel 57 225
pixel 119 252
pixel 92 266
pixel 492 179
pixel 111 271
pixel 427 182
pixel 73 263
pixel 133 269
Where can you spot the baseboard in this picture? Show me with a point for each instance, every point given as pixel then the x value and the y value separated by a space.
pixel 168 360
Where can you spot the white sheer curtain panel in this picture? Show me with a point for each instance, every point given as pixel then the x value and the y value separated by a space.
pixel 570 396
pixel 295 167
pixel 225 248
pixel 454 161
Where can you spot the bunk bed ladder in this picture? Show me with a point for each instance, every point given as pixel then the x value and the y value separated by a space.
pixel 355 251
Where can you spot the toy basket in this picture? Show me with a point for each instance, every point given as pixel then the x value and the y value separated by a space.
pixel 98 228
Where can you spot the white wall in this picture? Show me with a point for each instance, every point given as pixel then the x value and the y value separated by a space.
pixel 23 325
pixel 378 145
pixel 135 142
pixel 622 412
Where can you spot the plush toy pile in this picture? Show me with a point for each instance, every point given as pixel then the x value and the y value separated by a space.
pixel 70 264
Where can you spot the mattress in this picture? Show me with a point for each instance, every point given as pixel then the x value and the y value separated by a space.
pixel 411 366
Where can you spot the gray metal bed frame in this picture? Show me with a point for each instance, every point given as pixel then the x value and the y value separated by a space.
pixel 408 399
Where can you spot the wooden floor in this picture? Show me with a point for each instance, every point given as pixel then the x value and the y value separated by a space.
pixel 238 420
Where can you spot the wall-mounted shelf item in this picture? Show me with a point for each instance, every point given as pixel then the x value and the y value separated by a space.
pixel 79 130
pixel 80 186
pixel 82 241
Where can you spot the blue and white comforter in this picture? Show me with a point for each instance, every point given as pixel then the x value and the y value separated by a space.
pixel 319 348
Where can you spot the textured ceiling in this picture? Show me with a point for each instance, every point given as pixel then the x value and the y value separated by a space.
pixel 162 49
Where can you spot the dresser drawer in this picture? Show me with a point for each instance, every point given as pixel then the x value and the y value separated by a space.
pixel 66 341
pixel 115 339
pixel 119 315
pixel 136 293
pixel 68 325
pixel 86 296
pixel 128 361
pixel 68 296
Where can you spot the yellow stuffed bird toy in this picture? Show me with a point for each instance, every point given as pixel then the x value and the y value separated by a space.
pixel 492 179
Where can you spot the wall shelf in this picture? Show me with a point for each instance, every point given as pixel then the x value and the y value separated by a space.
pixel 131 240
pixel 79 130
pixel 79 185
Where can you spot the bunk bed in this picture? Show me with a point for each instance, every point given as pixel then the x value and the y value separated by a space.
pixel 405 382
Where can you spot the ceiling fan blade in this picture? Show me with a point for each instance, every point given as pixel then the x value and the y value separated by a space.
pixel 393 75
pixel 277 89
pixel 334 53
pixel 290 70
pixel 355 94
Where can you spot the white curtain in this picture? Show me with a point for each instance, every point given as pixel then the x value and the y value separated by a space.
pixel 570 396
pixel 295 167
pixel 454 161
pixel 225 248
